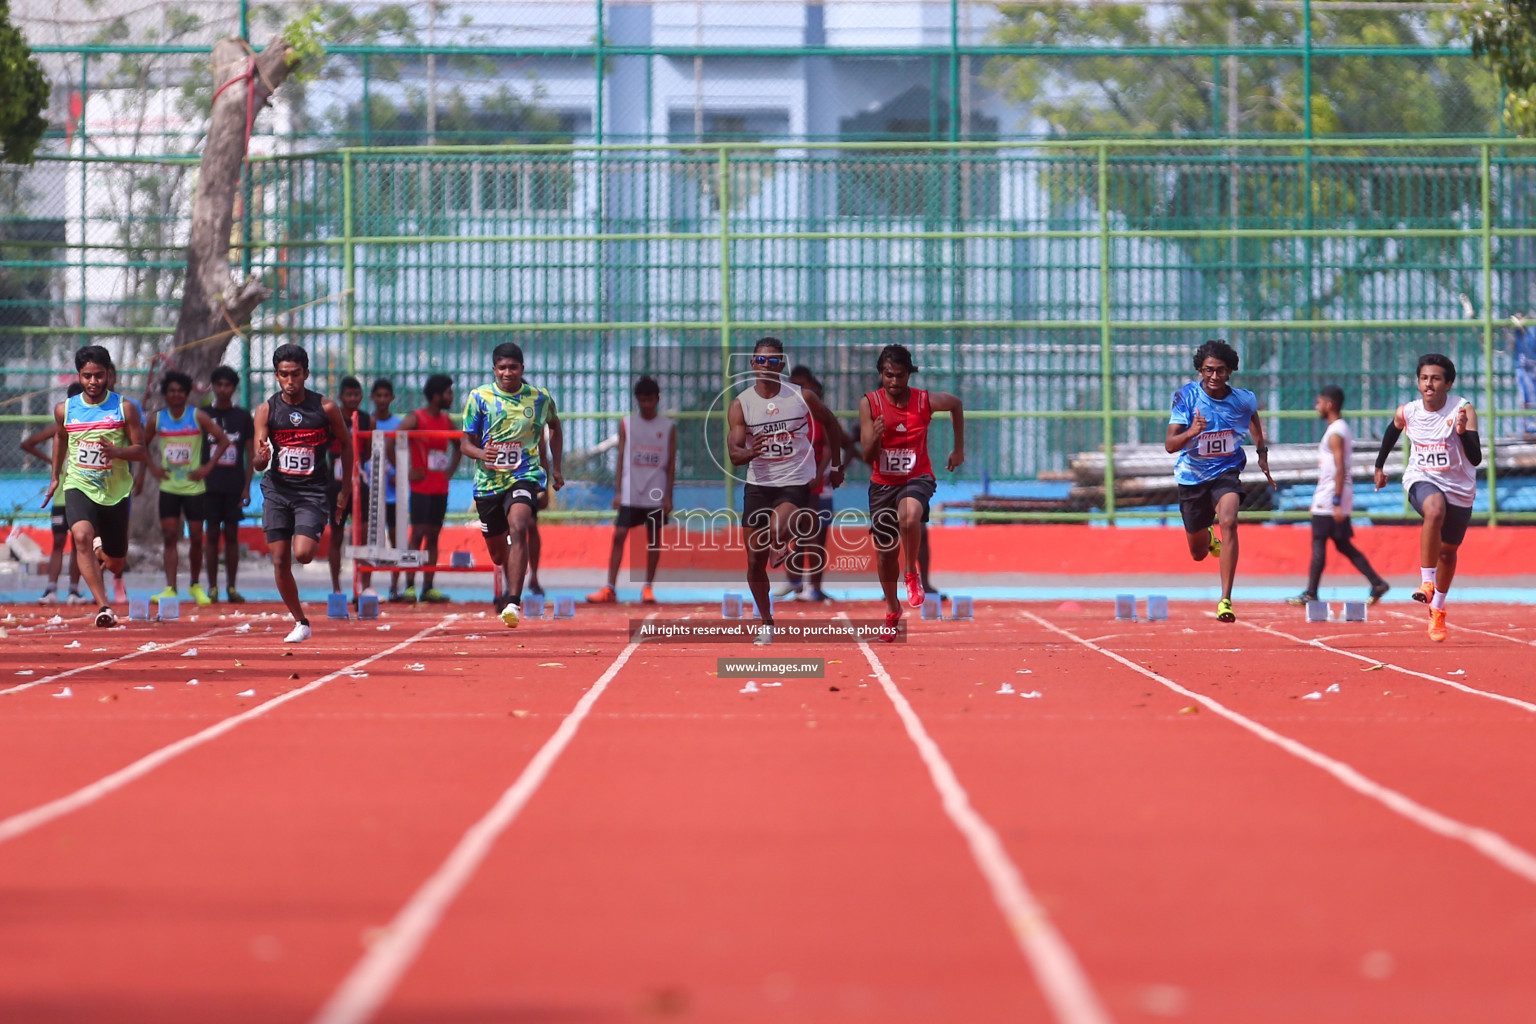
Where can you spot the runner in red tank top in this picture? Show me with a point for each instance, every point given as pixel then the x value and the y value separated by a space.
pixel 433 461
pixel 893 436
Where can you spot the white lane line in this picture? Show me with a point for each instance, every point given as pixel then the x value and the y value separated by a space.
pixel 1467 629
pixel 1061 978
pixel 109 661
pixel 372 979
pixel 1489 843
pixel 1523 705
pixel 42 814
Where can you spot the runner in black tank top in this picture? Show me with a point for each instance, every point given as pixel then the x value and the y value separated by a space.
pixel 294 428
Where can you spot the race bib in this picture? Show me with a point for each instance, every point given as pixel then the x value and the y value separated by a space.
pixel 178 454
pixel 231 456
pixel 505 454
pixel 897 460
pixel 92 455
pixel 296 461
pixel 779 446
pixel 645 456
pixel 1432 457
pixel 437 461
pixel 1216 444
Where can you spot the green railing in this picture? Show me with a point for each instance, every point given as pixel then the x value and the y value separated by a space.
pixel 1059 287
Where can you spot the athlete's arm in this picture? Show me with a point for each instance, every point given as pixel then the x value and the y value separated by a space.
pixel 147 464
pixel 259 439
pixel 250 468
pixel 408 422
pixel 58 454
pixel 828 423
pixel 666 501
pixel 1388 442
pixel 1340 475
pixel 339 430
pixel 1180 435
pixel 1256 429
pixel 736 438
pixel 556 449
pixel 1466 426
pixel 30 445
pixel 618 467
pixel 453 456
pixel 220 445
pixel 869 435
pixel 942 401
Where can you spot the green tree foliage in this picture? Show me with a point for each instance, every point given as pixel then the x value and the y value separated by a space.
pixel 1505 34
pixel 23 94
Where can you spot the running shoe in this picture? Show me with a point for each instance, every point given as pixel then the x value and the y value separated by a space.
pixel 1437 625
pixel 200 595
pixel 106 618
pixel 892 629
pixel 1224 612
pixel 1378 591
pixel 75 597
pixel 534 588
pixel 119 590
pixel 167 592
pixel 298 634
pixel 409 596
pixel 647 595
pixel 234 596
pixel 785 589
pixel 815 595
pixel 1215 545
pixel 605 595
pixel 914 590
pixel 764 636
pixel 396 597
pixel 777 556
pixel 1301 599
pixel 370 592
pixel 511 615
pixel 1425 593
pixel 434 596
pixel 49 598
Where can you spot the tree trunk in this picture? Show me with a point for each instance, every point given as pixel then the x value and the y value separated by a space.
pixel 212 302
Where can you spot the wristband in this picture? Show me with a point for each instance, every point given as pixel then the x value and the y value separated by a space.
pixel 1261 450
pixel 1338 499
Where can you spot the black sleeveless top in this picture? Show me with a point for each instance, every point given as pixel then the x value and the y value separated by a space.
pixel 300 436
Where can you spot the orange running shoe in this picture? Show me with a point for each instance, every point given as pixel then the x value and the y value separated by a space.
pixel 1425 593
pixel 1437 625
pixel 914 590
pixel 603 596
pixel 647 595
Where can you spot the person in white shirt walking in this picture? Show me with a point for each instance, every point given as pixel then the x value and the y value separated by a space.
pixel 1441 478
pixel 1334 499
pixel 646 470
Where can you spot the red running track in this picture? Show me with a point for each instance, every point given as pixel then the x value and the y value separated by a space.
pixel 699 853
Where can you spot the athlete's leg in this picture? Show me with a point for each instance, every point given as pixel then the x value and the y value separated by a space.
pixel 1320 534
pixel 924 562
pixel 909 516
pixel 231 551
pixel 520 519
pixel 282 573
pixel 535 548
pixel 652 554
pixel 760 534
pixel 433 532
pixel 1445 569
pixel 56 556
pixel 1226 516
pixel 212 534
pixel 84 536
pixel 1429 534
pixel 1356 558
pixel 170 537
pixel 415 542
pixel 333 555
pixel 194 545
pixel 616 554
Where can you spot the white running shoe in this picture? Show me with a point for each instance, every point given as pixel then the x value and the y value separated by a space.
pixel 49 597
pixel 764 636
pixel 300 633
pixel 511 615
pixel 369 592
pixel 106 618
pixel 785 589
pixel 75 597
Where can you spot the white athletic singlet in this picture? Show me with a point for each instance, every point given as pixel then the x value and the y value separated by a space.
pixel 1435 454
pixel 1322 497
pixel 788 460
pixel 646 443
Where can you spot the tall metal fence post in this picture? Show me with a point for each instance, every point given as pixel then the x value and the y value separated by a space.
pixel 1106 353
pixel 348 265
pixel 723 188
pixel 1488 389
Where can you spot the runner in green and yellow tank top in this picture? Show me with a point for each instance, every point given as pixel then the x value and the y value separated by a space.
pixel 102 434
pixel 182 473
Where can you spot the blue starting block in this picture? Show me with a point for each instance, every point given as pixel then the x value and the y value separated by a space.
pixel 730 606
pixel 336 606
pixel 1317 611
pixel 1125 607
pixel 933 606
pixel 961 607
pixel 138 609
pixel 1157 607
pixel 170 608
pixel 565 607
pixel 368 606
pixel 533 606
pixel 462 560
pixel 1354 611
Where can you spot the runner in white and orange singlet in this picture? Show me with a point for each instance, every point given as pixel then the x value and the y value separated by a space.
pixel 893 434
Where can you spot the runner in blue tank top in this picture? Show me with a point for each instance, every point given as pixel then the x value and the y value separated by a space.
pixel 1206 428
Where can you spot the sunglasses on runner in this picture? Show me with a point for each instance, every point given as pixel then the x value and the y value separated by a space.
pixel 767 360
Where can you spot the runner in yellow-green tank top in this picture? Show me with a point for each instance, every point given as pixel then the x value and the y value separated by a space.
pixel 101 434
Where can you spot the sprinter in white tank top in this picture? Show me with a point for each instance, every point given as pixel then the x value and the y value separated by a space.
pixel 770 435
pixel 642 488
pixel 1441 479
